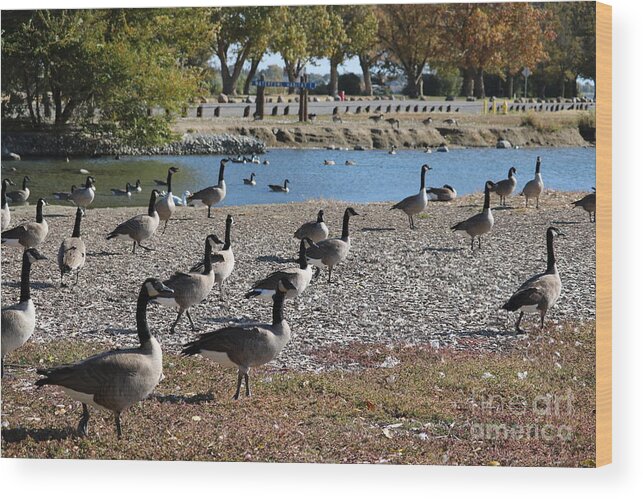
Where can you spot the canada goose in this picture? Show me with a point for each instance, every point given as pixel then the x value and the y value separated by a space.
pixel 184 199
pixel 20 195
pixel 64 196
pixel 540 292
pixel 255 159
pixel 330 252
pixel 71 255
pixel 427 121
pixel 444 193
pixel 394 122
pixel 442 148
pixel 480 223
pixel 213 194
pixel 246 346
pixel 350 162
pixel 83 196
pixel 299 277
pixel 137 185
pixel 117 379
pixel 393 150
pixel 376 118
pixel 191 288
pixel 534 188
pixel 251 180
pixel 30 234
pixel 315 231
pixel 280 188
pixel 266 162
pixel 329 162
pixel 123 192
pixel 427 150
pixel 415 204
pixel 505 187
pixel 19 320
pixel 5 213
pixel 451 121
pixel 588 203
pixel 140 227
pixel 337 118
pixel 165 205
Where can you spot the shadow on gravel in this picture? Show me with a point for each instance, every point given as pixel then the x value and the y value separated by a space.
pixel 378 229
pixel 118 330
pixel 275 259
pixel 441 250
pixel 13 435
pixel 104 253
pixel 566 222
pixel 502 208
pixel 199 398
pixel 58 215
pixel 34 284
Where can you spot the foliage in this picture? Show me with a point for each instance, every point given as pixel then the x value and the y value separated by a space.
pixel 350 83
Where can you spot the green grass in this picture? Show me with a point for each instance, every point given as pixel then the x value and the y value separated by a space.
pixel 428 409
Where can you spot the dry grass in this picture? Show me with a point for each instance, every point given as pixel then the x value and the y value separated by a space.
pixel 433 406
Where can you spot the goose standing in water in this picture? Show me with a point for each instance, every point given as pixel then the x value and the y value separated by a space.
pixel 20 195
pixel 246 346
pixel 83 196
pixel 30 234
pixel 480 223
pixel 140 227
pixel 331 252
pixel 316 231
pixel 251 180
pixel 280 188
pixel 165 205
pixel 534 188
pixel 213 194
pixel 505 187
pixel 71 254
pixel 415 204
pixel 117 379
pixel 5 213
pixel 444 193
pixel 539 293
pixel 19 320
pixel 588 203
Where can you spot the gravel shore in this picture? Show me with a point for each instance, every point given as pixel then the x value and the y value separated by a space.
pixel 397 286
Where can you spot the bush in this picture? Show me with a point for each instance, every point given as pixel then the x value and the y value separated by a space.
pixel 350 83
pixel 587 126
pixel 443 82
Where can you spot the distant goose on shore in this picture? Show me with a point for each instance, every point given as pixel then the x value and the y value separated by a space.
pixel 165 205
pixel 299 277
pixel 123 192
pixel 5 213
pixel 505 187
pixel 280 188
pixel 330 252
pixel 415 204
pixel 316 231
pixel 376 118
pixel 534 188
pixel 71 254
pixel 213 194
pixel 394 122
pixel 481 223
pixel 337 118
pixel 444 193
pixel 29 234
pixel 83 196
pixel 451 121
pixel 64 196
pixel 246 346
pixel 139 228
pixel 427 121
pixel 540 292
pixel 117 379
pixel 588 203
pixel 20 195
pixel 251 180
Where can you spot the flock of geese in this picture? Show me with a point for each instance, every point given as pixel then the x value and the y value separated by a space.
pixel 117 379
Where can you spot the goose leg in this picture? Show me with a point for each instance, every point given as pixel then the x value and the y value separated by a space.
pixel 77 275
pixel 83 424
pixel 221 296
pixel 165 226
pixel 472 240
pixel 209 208
pixel 537 203
pixel 317 272
pixel 117 420
pixel 479 242
pixel 173 328
pixel 247 382
pixel 239 379
pixel 518 330
pixel 62 284
pixel 330 272
pixel 542 320
pixel 134 248
pixel 194 328
pixel 146 248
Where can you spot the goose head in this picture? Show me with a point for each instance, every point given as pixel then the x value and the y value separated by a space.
pixel 154 195
pixel 512 171
pixel 153 289
pixel 26 179
pixel 351 212
pixel 173 169
pixel 41 203
pixel 34 255
pixel 214 239
pixel 489 185
pixel 555 232
pixel 320 216
pixel 6 182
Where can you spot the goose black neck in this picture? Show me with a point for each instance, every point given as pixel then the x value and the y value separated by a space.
pixel 79 216
pixel 538 165
pixel 423 179
pixel 152 206
pixel 303 263
pixel 278 307
pixel 88 183
pixel 4 194
pixel 228 240
pixel 551 259
pixel 39 217
pixel 207 259
pixel 221 168
pixel 486 198
pixel 320 215
pixel 169 182
pixel 285 184
pixel 511 173
pixel 24 278
pixel 347 217
pixel 24 184
pixel 141 318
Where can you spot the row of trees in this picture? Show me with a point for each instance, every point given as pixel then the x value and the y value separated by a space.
pixel 74 62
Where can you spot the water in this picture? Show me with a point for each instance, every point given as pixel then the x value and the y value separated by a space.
pixel 377 176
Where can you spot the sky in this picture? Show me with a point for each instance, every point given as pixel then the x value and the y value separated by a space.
pixel 322 67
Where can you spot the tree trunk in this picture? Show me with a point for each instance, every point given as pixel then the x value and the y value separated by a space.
pixel 562 87
pixel 479 84
pixel 291 72
pixel 58 105
pixel 254 64
pixel 366 72
pixel 467 84
pixel 510 86
pixel 414 81
pixel 334 77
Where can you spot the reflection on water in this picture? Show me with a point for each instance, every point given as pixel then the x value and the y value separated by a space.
pixel 376 176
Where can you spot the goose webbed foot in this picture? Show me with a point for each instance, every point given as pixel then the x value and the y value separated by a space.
pixel 146 248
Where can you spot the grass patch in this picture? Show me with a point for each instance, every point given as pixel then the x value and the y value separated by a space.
pixel 434 406
pixel 587 126
pixel 532 120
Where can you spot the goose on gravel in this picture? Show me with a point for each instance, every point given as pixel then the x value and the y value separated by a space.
pixel 83 196
pixel 5 213
pixel 213 194
pixel 444 193
pixel 140 227
pixel 71 254
pixel 415 204
pixel 29 234
pixel 505 187
pixel 480 223
pixel 588 203
pixel 316 231
pixel 20 195
pixel 165 205
pixel 534 188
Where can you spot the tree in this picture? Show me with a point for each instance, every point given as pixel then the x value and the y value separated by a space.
pixel 243 35
pixel 412 36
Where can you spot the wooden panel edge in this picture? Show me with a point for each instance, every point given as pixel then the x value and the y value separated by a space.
pixel 603 234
